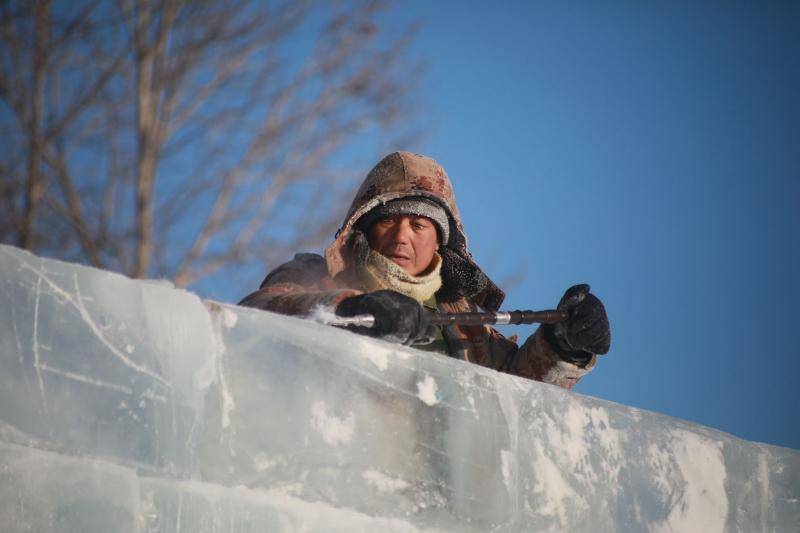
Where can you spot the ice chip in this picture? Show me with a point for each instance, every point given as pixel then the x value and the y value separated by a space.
pixel 426 391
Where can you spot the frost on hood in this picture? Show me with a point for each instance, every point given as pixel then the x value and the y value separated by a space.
pixel 135 407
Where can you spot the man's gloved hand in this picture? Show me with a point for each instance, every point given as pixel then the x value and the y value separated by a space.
pixel 585 332
pixel 398 318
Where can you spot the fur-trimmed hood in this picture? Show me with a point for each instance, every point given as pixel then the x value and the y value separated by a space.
pixel 404 174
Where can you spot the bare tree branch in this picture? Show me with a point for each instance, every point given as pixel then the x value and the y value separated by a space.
pixel 186 138
pixel 34 180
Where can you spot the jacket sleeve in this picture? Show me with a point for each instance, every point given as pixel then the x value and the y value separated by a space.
pixel 537 360
pixel 297 288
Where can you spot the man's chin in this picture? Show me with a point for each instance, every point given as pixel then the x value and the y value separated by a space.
pixel 402 262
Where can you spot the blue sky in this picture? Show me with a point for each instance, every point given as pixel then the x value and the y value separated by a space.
pixel 653 151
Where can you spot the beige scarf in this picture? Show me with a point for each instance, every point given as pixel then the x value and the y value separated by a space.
pixel 379 272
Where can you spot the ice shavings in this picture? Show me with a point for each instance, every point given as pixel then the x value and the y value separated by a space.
pixel 372 351
pixel 212 370
pixel 608 441
pixel 661 468
pixel 228 403
pixel 335 431
pixel 402 355
pixel 262 462
pixel 505 467
pixel 384 483
pixel 426 391
pixel 570 437
pixel 702 503
pixel 378 358
pixel 229 318
pixel 508 455
pixel 322 314
pixel 578 450
pixel 553 493
pixel 217 363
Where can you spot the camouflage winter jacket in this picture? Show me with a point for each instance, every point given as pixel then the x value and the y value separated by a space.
pixel 309 280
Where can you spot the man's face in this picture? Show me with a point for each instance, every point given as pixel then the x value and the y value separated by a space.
pixel 409 241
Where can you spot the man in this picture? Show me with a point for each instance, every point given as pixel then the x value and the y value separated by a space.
pixel 402 249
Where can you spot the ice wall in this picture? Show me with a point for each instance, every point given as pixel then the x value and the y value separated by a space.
pixel 131 406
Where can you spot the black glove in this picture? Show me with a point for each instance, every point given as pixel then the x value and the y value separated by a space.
pixel 585 332
pixel 398 318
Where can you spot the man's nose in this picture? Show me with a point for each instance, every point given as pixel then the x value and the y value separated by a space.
pixel 403 231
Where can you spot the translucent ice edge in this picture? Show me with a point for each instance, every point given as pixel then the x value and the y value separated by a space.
pixel 187 399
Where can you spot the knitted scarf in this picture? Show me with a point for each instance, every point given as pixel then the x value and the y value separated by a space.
pixel 379 272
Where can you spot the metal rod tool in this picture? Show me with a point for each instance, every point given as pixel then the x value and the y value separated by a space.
pixel 548 316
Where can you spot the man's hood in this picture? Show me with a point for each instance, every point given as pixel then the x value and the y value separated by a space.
pixel 404 174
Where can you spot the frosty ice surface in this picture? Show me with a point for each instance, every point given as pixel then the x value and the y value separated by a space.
pixel 132 406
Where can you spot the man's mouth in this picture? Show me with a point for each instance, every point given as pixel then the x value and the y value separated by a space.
pixel 400 259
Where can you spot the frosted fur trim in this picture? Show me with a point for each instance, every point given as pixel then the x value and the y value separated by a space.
pixel 379 272
pixel 565 374
pixel 537 360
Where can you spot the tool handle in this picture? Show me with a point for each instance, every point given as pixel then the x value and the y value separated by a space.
pixel 548 316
